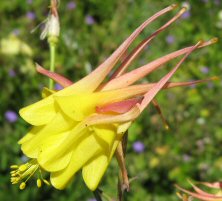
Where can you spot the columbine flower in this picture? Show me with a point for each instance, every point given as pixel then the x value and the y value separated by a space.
pixel 200 194
pixel 80 126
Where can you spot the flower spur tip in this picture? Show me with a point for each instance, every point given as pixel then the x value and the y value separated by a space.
pixel 214 40
pixel 214 78
pixel 38 67
pixel 174 6
pixel 199 43
pixel 183 10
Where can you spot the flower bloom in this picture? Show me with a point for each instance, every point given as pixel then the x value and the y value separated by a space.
pixel 80 126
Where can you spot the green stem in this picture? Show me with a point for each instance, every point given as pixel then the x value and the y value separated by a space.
pixel 97 195
pixel 52 47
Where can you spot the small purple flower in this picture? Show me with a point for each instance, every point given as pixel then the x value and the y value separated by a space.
pixel 204 70
pixel 138 147
pixel 58 87
pixel 217 2
pixel 11 116
pixel 16 32
pixel 11 73
pixel 29 1
pixel 30 15
pixel 91 199
pixel 186 15
pixel 71 5
pixel 170 39
pixel 90 20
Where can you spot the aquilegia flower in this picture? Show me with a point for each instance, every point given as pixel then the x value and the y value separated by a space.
pixel 80 126
pixel 200 194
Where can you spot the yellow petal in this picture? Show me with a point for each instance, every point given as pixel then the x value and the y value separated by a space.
pixel 122 128
pixel 83 152
pixel 39 113
pixel 59 124
pixel 43 111
pixel 57 161
pixel 106 135
pixel 60 150
pixel 30 134
pixel 94 170
pixel 47 92
pixel 75 106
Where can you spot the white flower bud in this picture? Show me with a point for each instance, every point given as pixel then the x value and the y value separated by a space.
pixel 52 27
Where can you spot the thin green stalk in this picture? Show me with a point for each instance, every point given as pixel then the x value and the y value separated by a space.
pixel 52 47
pixel 97 195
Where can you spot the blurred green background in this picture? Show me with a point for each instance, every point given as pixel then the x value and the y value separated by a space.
pixel 90 31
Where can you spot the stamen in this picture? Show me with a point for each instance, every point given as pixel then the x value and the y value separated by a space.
pixel 39 183
pixel 46 182
pixel 24 172
pixel 22 185
pixel 22 168
pixel 14 166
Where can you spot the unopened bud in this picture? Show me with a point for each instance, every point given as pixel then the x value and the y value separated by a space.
pixel 46 182
pixel 52 28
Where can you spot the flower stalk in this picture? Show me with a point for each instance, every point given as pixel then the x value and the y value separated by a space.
pixel 52 31
pixel 53 35
pixel 52 46
pixel 97 195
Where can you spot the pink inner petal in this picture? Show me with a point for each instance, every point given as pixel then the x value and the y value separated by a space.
pixel 119 107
